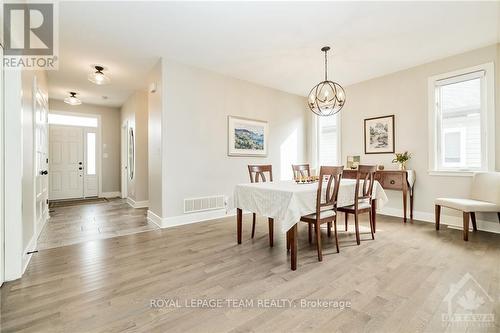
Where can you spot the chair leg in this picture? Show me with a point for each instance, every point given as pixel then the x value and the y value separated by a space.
pixel 271 232
pixel 309 227
pixel 371 223
pixel 253 225
pixel 329 229
pixel 356 225
pixel 335 231
pixel 346 220
pixel 437 213
pixel 473 219
pixel 287 242
pixel 318 241
pixel 498 214
pixel 466 218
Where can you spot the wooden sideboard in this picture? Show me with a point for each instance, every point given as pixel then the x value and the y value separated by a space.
pixel 391 180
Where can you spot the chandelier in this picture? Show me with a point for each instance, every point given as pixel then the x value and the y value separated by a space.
pixel 327 97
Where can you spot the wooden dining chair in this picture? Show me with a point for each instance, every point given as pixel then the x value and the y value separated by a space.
pixel 258 174
pixel 362 199
pixel 301 170
pixel 326 205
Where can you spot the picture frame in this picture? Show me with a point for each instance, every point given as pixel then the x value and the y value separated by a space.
pixel 247 137
pixel 379 135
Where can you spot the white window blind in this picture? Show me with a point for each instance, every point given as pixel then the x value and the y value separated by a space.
pixel 328 140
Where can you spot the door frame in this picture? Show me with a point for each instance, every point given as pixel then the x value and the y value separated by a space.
pixel 98 141
pixel 37 227
pixel 124 159
pixel 2 159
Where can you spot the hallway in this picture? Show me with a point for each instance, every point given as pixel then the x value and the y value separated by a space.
pixel 75 222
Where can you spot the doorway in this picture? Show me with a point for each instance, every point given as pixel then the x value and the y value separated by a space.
pixel 74 171
pixel 124 160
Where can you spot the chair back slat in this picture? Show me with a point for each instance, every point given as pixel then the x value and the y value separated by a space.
pixel 366 173
pixel 257 172
pixel 301 170
pixel 331 175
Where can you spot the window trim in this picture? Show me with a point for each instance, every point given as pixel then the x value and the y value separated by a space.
pixel 487 120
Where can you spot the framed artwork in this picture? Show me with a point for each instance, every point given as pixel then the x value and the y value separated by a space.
pixel 247 137
pixel 379 135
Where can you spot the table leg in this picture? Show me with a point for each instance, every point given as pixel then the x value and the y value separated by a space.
pixel 271 232
pixel 374 215
pixel 411 204
pixel 404 204
pixel 239 217
pixel 293 245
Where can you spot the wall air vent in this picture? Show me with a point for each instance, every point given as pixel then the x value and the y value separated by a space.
pixel 203 204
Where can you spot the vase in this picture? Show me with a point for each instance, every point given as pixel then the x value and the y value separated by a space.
pixel 402 166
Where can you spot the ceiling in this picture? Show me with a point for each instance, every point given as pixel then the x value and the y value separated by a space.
pixel 275 44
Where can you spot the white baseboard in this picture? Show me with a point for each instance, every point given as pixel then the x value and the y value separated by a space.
pixel 116 194
pixel 137 204
pixel 155 219
pixel 173 221
pixel 454 222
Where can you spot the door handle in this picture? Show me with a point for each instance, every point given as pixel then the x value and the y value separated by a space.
pixel 80 163
pixel 80 168
pixel 44 172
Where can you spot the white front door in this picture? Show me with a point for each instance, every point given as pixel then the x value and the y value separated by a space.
pixel 66 162
pixel 41 158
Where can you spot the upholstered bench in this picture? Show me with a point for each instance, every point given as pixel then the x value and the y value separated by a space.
pixel 485 197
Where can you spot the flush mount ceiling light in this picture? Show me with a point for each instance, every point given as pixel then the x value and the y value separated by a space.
pixel 327 97
pixel 98 76
pixel 72 99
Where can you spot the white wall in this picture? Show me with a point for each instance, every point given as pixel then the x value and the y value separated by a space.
pixel 155 138
pixel 197 104
pixel 135 112
pixel 404 94
pixel 110 141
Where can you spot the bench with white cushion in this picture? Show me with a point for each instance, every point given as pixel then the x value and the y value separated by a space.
pixel 485 197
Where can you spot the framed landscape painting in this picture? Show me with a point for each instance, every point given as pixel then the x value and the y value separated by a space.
pixel 379 135
pixel 247 137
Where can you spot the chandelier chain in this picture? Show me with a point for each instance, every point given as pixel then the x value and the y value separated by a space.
pixel 326 66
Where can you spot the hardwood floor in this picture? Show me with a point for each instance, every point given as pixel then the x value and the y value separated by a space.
pixel 72 223
pixel 395 283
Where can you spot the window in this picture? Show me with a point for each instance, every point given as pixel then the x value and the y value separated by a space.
pixel 91 147
pixel 68 120
pixel 328 140
pixel 461 120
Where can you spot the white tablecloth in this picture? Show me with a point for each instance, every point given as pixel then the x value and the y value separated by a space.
pixel 287 201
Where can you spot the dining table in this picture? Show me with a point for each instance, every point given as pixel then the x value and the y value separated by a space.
pixel 287 201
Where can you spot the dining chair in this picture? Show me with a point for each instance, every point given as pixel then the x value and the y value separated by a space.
pixel 326 205
pixel 257 172
pixel 301 170
pixel 362 199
